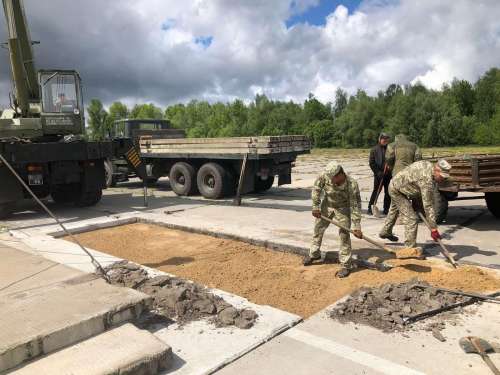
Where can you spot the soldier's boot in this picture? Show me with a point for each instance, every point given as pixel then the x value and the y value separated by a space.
pixel 308 260
pixel 343 272
pixel 388 236
pixel 369 211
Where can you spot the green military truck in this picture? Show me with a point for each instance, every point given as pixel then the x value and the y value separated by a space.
pixel 474 174
pixel 212 167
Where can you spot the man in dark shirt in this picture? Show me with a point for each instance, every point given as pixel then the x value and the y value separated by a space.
pixel 381 174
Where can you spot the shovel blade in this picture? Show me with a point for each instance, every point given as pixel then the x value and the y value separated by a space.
pixel 468 347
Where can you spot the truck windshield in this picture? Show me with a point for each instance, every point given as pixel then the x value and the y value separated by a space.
pixel 59 93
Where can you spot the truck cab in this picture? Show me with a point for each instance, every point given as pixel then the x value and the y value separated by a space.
pixel 127 133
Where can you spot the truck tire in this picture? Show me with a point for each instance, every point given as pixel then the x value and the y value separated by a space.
pixel 440 206
pixel 182 178
pixel 6 209
pixel 63 196
pixel 212 181
pixel 108 172
pixel 72 194
pixel 493 203
pixel 88 198
pixel 263 185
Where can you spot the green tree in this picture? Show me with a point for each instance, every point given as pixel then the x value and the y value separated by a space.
pixel 146 111
pixel 97 120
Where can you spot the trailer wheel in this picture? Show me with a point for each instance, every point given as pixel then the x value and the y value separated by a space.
pixel 493 203
pixel 212 180
pixel 440 206
pixel 183 179
pixel 263 185
pixel 6 210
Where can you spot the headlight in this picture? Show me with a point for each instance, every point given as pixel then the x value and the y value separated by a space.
pixel 76 111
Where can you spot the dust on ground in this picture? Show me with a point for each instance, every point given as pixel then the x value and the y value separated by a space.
pixel 267 277
pixel 182 300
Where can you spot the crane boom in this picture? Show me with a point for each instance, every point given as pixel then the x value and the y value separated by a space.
pixel 21 56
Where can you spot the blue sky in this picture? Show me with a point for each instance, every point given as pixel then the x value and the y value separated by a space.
pixel 316 15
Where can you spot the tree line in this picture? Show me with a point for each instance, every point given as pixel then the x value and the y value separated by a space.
pixel 461 113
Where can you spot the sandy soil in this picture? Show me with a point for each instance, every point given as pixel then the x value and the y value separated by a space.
pixel 267 277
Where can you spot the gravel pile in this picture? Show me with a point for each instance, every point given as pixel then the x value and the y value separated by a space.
pixel 179 299
pixel 387 306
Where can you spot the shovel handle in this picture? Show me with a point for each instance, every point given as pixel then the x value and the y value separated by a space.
pixel 380 245
pixel 444 250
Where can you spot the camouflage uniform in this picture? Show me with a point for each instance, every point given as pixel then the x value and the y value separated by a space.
pixel 400 154
pixel 340 202
pixel 414 182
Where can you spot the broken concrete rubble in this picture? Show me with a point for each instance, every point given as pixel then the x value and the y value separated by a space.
pixel 179 299
pixel 387 306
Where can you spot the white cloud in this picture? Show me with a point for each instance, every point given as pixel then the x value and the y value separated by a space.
pixel 146 50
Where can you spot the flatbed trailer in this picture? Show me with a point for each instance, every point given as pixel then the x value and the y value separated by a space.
pixel 218 167
pixel 476 174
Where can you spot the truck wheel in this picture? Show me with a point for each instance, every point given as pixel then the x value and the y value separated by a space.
pixel 493 203
pixel 440 206
pixel 212 180
pixel 88 198
pixel 108 173
pixel 182 178
pixel 6 210
pixel 263 185
pixel 63 196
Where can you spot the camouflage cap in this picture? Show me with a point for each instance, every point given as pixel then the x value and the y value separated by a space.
pixel 445 168
pixel 333 168
pixel 384 136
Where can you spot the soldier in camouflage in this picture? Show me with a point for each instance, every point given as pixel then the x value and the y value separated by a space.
pixel 400 154
pixel 416 182
pixel 335 194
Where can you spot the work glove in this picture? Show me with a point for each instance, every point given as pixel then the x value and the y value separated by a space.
pixel 435 235
pixel 316 213
pixel 357 233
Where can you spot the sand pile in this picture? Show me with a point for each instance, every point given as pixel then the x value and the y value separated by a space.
pixel 268 277
pixel 179 299
pixel 388 306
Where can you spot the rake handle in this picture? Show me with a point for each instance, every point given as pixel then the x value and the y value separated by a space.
pixel 380 245
pixel 444 250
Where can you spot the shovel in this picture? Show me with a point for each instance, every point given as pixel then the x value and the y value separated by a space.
pixel 403 253
pixel 376 211
pixel 444 250
pixel 472 344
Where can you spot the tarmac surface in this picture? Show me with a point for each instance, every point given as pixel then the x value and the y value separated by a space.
pixel 281 219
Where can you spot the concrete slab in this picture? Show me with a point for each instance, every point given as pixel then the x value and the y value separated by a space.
pixel 21 271
pixel 122 350
pixel 321 345
pixel 199 347
pixel 41 320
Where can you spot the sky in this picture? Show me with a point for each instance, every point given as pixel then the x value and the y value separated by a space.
pixel 170 51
